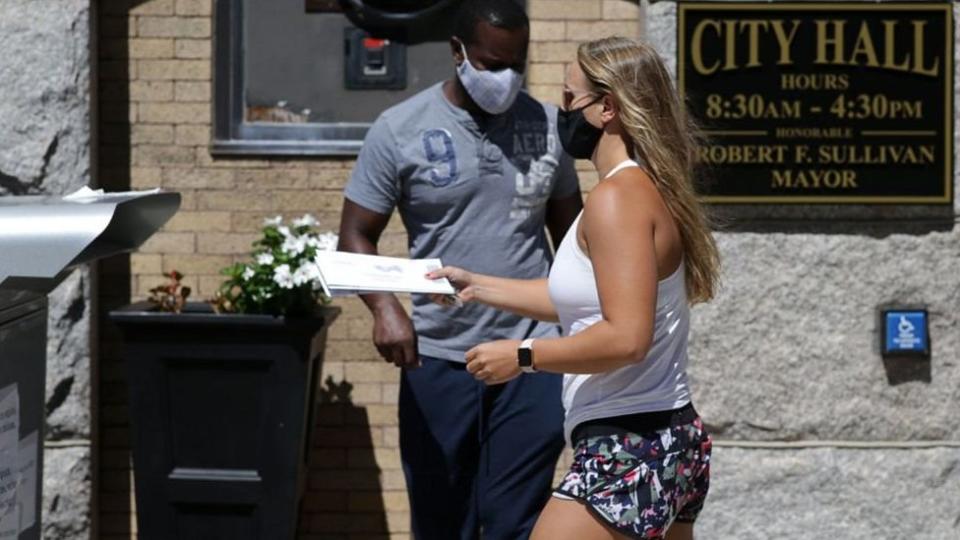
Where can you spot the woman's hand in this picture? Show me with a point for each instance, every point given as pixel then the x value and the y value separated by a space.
pixel 461 280
pixel 494 362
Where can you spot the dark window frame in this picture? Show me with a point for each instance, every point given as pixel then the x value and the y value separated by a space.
pixel 233 136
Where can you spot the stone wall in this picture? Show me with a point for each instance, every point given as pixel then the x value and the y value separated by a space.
pixel 45 148
pixel 817 436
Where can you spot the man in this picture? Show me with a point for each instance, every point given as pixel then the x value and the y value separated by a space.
pixel 476 171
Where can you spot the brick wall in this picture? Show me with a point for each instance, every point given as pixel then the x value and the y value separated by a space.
pixel 154 125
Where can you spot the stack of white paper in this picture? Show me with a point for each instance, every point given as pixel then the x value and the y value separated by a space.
pixel 87 195
pixel 344 273
pixel 9 461
pixel 18 468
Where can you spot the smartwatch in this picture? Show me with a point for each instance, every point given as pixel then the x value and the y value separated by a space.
pixel 525 356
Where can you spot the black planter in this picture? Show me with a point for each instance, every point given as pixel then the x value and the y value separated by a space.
pixel 221 410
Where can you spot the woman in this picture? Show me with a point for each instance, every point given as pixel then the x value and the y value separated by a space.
pixel 621 285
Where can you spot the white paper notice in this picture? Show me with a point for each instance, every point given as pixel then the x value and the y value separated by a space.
pixel 9 520
pixel 9 517
pixel 9 417
pixel 349 273
pixel 27 490
pixel 9 461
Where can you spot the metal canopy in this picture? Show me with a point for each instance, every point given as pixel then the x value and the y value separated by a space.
pixel 41 237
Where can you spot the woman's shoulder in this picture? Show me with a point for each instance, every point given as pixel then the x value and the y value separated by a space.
pixel 630 190
pixel 615 205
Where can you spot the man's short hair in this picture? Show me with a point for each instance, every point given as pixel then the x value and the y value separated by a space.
pixel 506 14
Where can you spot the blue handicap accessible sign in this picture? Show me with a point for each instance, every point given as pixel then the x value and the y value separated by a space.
pixel 906 332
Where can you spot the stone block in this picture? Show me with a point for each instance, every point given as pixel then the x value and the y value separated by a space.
pixel 564 9
pixel 225 243
pixel 194 7
pixel 854 494
pixel 68 358
pixel 150 48
pixel 553 51
pixel 197 178
pixel 589 30
pixel 193 91
pixel 789 349
pixel 192 135
pixel 67 493
pixel 150 91
pixel 177 70
pixel 170 242
pixel 149 7
pixel 272 178
pixel 185 27
pixel 199 221
pixel 44 97
pixel 621 10
pixel 541 30
pixel 151 134
pixel 195 263
pixel 546 73
pixel 158 155
pixel 193 48
pixel 233 200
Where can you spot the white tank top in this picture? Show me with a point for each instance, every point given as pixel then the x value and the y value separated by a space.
pixel 657 383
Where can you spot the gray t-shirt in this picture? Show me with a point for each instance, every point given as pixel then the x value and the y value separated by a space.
pixel 474 196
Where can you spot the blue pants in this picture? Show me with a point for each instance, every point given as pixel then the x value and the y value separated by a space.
pixel 477 458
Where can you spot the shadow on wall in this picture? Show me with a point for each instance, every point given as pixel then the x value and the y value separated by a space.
pixel 113 482
pixel 343 495
pixel 904 370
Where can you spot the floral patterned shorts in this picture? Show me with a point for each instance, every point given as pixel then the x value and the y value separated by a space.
pixel 641 483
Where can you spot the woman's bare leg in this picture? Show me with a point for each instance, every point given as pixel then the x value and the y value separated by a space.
pixel 563 520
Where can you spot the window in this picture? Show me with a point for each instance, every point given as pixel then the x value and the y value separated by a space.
pixel 280 75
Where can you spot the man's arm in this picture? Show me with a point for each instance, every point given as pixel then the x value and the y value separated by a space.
pixel 560 215
pixel 393 332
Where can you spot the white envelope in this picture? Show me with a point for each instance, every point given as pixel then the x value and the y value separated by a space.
pixel 346 273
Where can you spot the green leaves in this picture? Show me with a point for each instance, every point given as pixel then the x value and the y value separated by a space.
pixel 172 296
pixel 282 278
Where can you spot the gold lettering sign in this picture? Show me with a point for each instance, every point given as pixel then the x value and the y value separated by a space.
pixel 821 103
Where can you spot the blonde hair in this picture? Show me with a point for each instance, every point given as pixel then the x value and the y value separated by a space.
pixel 663 138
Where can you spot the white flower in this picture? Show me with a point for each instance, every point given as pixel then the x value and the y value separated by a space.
pixel 294 245
pixel 283 277
pixel 265 259
pixel 248 273
pixel 273 222
pixel 326 242
pixel 285 231
pixel 306 221
pixel 307 273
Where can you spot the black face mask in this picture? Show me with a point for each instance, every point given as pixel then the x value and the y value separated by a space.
pixel 577 136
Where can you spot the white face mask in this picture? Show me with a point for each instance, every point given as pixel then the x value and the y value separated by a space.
pixel 492 91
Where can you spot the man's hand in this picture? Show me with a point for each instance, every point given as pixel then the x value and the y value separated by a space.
pixel 393 333
pixel 494 362
pixel 394 336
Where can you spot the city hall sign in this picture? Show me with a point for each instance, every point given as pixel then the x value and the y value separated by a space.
pixel 820 102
